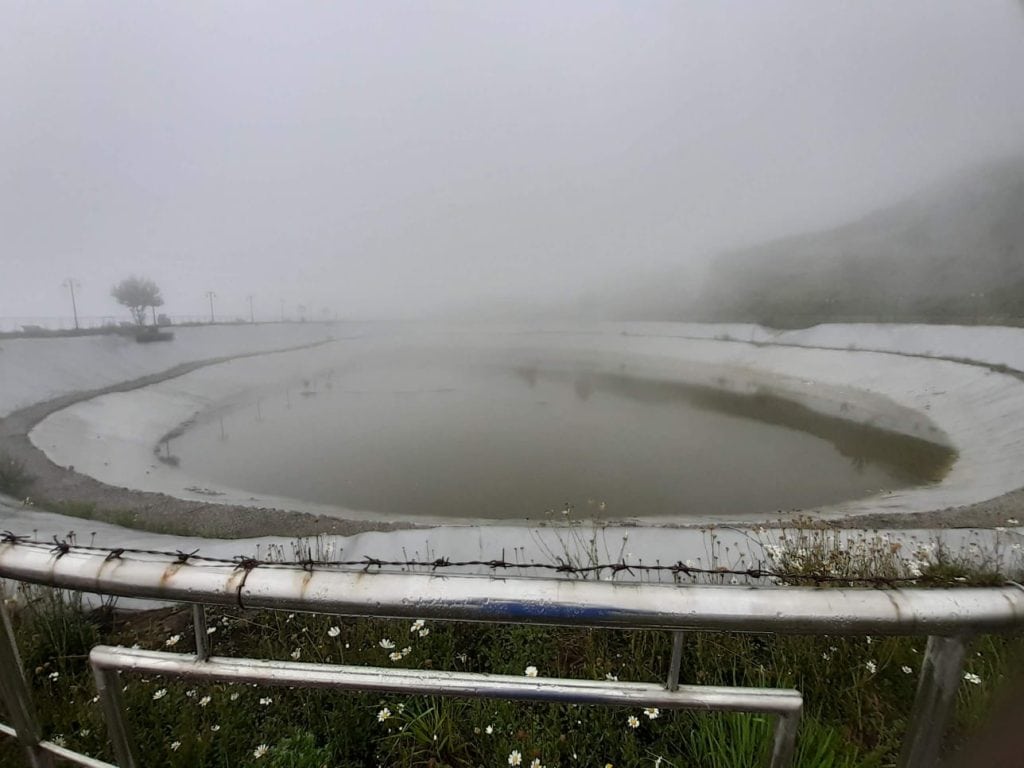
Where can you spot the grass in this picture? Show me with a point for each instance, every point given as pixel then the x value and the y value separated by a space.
pixel 82 509
pixel 857 694
pixel 126 518
pixel 15 480
pixel 858 691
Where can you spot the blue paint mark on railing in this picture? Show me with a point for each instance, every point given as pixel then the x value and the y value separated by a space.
pixel 524 610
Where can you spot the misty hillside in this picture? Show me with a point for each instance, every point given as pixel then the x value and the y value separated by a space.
pixel 953 253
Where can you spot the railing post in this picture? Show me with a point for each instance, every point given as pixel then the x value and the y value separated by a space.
pixel 202 636
pixel 672 682
pixel 108 684
pixel 934 702
pixel 15 694
pixel 784 744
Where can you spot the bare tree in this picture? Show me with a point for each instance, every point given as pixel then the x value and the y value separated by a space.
pixel 138 294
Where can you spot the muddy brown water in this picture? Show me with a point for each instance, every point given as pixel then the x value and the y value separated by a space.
pixel 460 440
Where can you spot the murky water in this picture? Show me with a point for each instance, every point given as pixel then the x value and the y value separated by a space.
pixel 445 439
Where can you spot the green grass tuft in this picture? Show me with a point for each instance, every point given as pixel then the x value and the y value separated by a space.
pixel 15 479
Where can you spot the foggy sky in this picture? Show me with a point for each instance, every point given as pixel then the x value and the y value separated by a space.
pixel 392 158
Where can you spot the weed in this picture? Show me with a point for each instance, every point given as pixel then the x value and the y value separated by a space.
pixel 298 751
pixel 15 480
pixel 858 691
pixel 60 631
pixel 82 509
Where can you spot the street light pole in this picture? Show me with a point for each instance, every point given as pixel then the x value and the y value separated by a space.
pixel 71 285
pixel 210 295
pixel 252 316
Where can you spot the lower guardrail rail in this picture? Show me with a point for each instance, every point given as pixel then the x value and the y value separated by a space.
pixel 949 617
pixel 107 663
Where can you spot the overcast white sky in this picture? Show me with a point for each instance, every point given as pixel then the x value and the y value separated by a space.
pixel 393 158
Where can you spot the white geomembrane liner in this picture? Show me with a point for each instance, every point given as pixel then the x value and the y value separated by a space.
pixel 977 410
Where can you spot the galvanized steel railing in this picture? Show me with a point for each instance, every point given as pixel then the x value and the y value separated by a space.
pixel 947 616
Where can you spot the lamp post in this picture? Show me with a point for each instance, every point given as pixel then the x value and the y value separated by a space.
pixel 252 315
pixel 210 295
pixel 71 284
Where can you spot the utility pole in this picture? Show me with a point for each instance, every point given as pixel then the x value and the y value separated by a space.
pixel 210 295
pixel 71 284
pixel 252 316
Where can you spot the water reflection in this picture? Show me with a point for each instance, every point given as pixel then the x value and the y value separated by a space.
pixel 913 460
pixel 443 439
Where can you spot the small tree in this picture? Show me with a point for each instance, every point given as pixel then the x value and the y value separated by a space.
pixel 138 294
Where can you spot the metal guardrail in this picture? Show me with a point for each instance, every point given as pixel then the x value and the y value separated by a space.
pixel 948 616
pixel 108 661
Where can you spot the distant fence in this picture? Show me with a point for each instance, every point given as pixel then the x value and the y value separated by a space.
pixel 56 323
pixel 61 325
pixel 949 617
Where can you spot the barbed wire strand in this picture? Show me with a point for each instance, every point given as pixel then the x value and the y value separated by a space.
pixel 369 564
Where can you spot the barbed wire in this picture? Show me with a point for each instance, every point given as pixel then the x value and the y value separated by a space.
pixel 562 566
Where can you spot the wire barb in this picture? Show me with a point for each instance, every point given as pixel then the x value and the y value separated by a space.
pixel 60 547
pixel 184 556
pixel 560 565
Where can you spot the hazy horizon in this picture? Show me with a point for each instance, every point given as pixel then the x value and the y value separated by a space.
pixel 405 160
